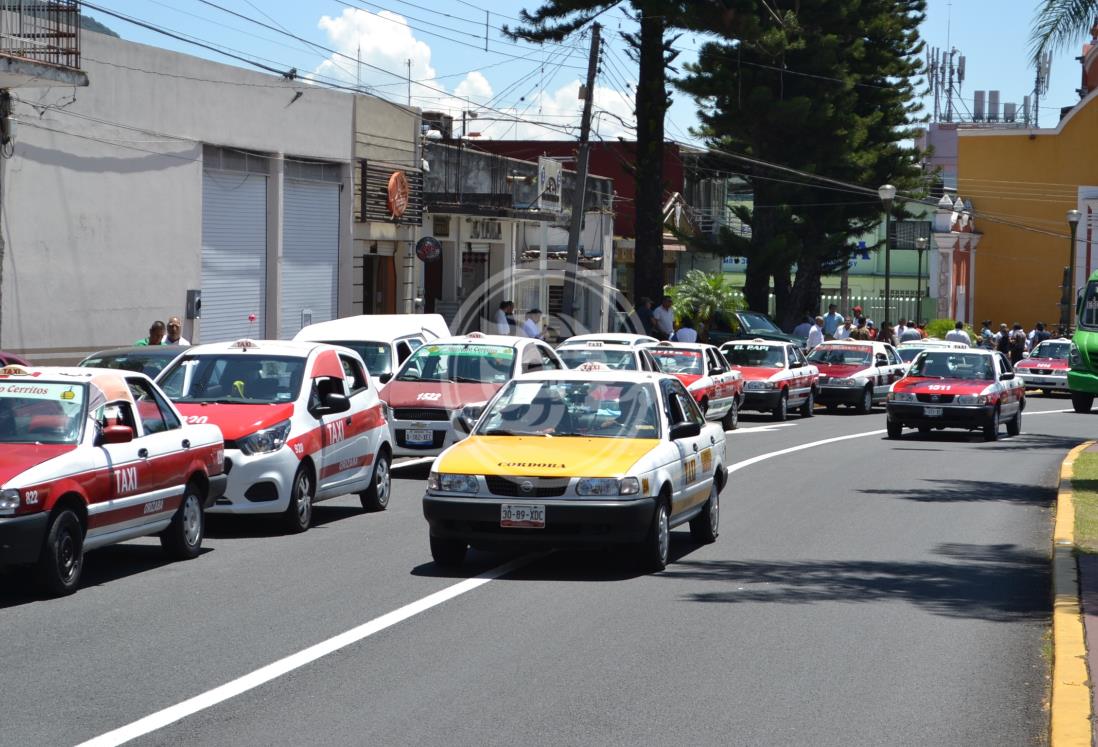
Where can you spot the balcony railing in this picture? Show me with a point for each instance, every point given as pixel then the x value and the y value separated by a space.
pixel 711 220
pixel 46 31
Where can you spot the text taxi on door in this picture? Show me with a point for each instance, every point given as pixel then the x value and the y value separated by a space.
pixel 301 420
pixel 703 370
pixel 975 389
pixel 855 373
pixel 579 458
pixel 90 457
pixel 777 376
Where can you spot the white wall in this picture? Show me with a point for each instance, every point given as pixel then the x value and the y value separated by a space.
pixel 102 224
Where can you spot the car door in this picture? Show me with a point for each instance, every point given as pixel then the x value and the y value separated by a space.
pixel 799 381
pixel 896 365
pixel 1011 390
pixel 361 434
pixel 723 385
pixel 163 446
pixel 688 489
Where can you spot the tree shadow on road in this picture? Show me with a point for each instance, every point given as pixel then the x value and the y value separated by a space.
pixel 961 491
pixel 1023 441
pixel 1000 583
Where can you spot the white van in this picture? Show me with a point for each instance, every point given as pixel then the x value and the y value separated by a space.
pixel 384 341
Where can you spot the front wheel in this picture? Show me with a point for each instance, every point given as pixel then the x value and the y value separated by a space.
pixel 731 420
pixel 447 553
pixel 895 428
pixel 182 540
pixel 809 404
pixel 299 514
pixel 655 549
pixel 1081 401
pixel 1014 425
pixel 705 527
pixel 376 497
pixel 866 405
pixel 781 412
pixel 62 558
pixel 991 428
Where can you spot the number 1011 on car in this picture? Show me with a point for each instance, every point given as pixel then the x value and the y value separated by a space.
pixel 522 516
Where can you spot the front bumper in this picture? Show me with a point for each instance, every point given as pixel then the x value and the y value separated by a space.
pixel 442 433
pixel 1083 381
pixel 21 538
pixel 1044 381
pixel 257 484
pixel 568 523
pixel 761 400
pixel 953 416
pixel 840 395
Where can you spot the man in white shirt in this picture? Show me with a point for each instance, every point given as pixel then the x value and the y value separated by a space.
pixel 958 334
pixel 815 333
pixel 532 326
pixel 842 332
pixel 505 320
pixel 663 318
pixel 175 333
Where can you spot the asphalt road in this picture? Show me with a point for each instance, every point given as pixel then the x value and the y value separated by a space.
pixel 862 591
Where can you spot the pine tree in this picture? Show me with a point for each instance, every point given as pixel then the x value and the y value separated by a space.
pixel 826 89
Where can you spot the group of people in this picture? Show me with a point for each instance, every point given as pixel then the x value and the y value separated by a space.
pixel 164 334
pixel 506 325
pixel 1014 341
pixel 856 326
pixel 659 321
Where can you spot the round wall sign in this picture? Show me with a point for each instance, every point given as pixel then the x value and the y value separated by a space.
pixel 398 193
pixel 428 249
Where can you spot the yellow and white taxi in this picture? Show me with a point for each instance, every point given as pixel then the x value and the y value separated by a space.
pixel 579 458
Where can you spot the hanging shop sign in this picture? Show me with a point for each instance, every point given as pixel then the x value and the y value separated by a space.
pixel 549 184
pixel 398 194
pixel 428 249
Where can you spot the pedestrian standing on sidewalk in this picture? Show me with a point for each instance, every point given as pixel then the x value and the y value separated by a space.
pixel 175 333
pixel 816 333
pixel 958 334
pixel 644 313
pixel 1017 344
pixel 886 335
pixel 663 320
pixel 532 326
pixel 686 331
pixel 861 332
pixel 842 332
pixel 505 319
pixel 156 335
pixel 832 321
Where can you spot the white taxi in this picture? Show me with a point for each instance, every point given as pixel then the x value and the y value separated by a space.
pixel 90 457
pixel 908 350
pixel 777 376
pixel 617 351
pixel 301 420
pixel 443 376
pixel 1047 366
pixel 855 373
pixel 703 370
pixel 580 458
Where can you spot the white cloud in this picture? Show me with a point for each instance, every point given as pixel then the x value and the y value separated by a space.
pixel 385 41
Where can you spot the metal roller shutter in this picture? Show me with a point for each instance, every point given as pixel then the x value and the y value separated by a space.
pixel 234 255
pixel 310 254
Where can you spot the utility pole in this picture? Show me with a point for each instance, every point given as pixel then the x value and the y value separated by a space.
pixel 409 63
pixel 568 304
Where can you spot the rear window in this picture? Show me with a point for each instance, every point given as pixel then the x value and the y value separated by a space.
pixel 378 356
pixel 150 363
pixel 620 360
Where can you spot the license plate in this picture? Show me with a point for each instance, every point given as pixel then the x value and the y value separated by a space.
pixel 932 412
pixel 419 437
pixel 522 515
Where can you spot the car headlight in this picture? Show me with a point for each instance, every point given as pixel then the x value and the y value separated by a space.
pixel 9 502
pixel 266 440
pixel 971 399
pixel 901 397
pixel 845 382
pixel 1075 358
pixel 758 386
pixel 608 486
pixel 447 483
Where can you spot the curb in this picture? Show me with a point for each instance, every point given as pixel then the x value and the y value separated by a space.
pixel 1071 694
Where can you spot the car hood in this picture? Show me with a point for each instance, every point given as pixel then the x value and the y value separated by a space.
pixel 756 373
pixel 919 385
pixel 1043 363
pixel 542 456
pixel 436 394
pixel 687 379
pixel 839 370
pixel 236 421
pixel 16 459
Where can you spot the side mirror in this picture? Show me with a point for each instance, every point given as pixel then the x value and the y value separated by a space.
pixel 116 434
pixel 333 403
pixel 386 377
pixel 685 430
pixel 467 418
pixel 1006 376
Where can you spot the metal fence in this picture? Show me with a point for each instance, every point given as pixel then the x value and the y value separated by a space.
pixel 41 30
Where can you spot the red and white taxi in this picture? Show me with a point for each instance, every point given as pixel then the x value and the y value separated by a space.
pixel 90 457
pixel 705 373
pixel 443 376
pixel 301 420
pixel 1046 367
pixel 974 389
pixel 856 373
pixel 777 376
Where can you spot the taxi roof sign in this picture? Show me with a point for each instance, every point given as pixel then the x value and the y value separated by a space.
pixel 594 343
pixel 245 344
pixel 475 335
pixel 14 370
pixel 592 366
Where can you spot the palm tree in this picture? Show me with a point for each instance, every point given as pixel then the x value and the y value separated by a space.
pixel 702 297
pixel 1059 23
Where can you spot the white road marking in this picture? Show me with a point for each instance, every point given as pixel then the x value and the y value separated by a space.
pixel 763 428
pixel 763 457
pixel 208 699
pixel 412 462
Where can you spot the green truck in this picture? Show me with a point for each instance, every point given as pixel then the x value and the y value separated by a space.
pixel 1083 376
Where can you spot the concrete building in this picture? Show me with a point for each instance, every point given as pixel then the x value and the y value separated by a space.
pixel 173 174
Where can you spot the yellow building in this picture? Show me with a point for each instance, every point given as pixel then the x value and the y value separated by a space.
pixel 1025 181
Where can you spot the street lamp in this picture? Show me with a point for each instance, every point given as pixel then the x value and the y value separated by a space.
pixel 887 192
pixel 920 247
pixel 1069 291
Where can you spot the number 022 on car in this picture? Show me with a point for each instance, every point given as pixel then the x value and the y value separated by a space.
pixel 522 515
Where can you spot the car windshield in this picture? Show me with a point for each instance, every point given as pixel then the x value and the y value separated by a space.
pixel 246 379
pixel 149 361
pixel 460 363
pixel 849 355
pixel 679 361
pixel 908 354
pixel 953 364
pixel 1088 311
pixel 763 356
pixel 377 356
pixel 756 322
pixel 615 358
pixel 1055 350
pixel 589 409
pixel 41 412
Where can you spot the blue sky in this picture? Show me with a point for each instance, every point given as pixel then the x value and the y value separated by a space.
pixel 445 41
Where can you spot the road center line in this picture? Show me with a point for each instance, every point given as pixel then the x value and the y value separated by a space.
pixel 250 681
pixel 763 457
